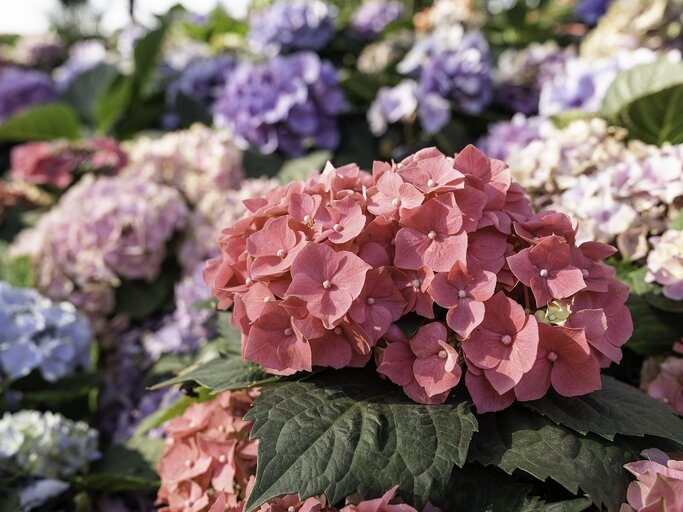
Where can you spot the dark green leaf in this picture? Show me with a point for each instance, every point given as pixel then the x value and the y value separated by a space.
pixel 659 301
pixel 301 168
pixel 231 335
pixel 677 222
pixel 191 111
pixel 113 103
pixel 43 122
pixel 145 54
pixel 86 89
pixel 340 432
pixel 140 299
pixel 615 409
pixel 19 272
pixel 518 439
pixel 646 101
pixel 537 505
pixel 223 373
pixel 654 331
pixel 163 415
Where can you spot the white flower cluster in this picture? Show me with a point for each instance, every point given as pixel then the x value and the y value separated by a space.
pixel 665 263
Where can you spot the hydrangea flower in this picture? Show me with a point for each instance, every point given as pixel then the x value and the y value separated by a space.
pixel 36 333
pixel 58 163
pixel 373 16
pixel 505 138
pixel 23 88
pixel 196 161
pixel 452 67
pixel 202 80
pixel 288 103
pixel 46 444
pixel 392 104
pixel 318 273
pixel 665 263
pixel 102 231
pixel 42 51
pixel 659 484
pixel 590 11
pixel 663 379
pixel 83 56
pixel 291 25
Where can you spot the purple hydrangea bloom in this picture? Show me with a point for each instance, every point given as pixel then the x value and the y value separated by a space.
pixel 202 79
pixel 373 16
pixel 392 104
pixel 38 334
pixel 509 137
pixel 190 326
pixel 452 66
pixel 290 25
pixel 22 88
pixel 590 11
pixel 288 103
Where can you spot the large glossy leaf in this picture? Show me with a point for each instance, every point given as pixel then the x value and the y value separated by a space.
pixel 86 89
pixel 518 439
pixel 538 505
pixel 615 409
pixel 301 168
pixel 43 122
pixel 222 374
pixel 654 330
pixel 341 432
pixel 647 100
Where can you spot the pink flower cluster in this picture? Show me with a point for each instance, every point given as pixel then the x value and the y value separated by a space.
pixel 57 163
pixel 208 456
pixel 209 463
pixel 659 484
pixel 318 272
pixel 663 380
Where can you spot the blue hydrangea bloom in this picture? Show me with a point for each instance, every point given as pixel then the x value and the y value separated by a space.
pixel 38 334
pixel 22 88
pixel 289 103
pixel 290 25
pixel 590 11
pixel 453 67
pixel 373 16
pixel 202 79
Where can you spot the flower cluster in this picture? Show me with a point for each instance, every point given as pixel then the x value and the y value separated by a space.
pixel 21 88
pixel 373 16
pixel 507 138
pixel 208 457
pixel 318 272
pixel 202 79
pixel 521 74
pixel 43 51
pixel 58 163
pixel 289 103
pixel 292 25
pixel 590 11
pixel 616 190
pixel 665 263
pixel 451 66
pixel 659 484
pixel 102 231
pixel 36 333
pixel 195 161
pixel 663 380
pixel 46 444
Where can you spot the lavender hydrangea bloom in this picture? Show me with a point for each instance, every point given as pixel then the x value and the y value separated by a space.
pixel 83 56
pixel 289 103
pixel 46 444
pixel 21 88
pixel 665 263
pixel 202 79
pixel 373 16
pixel 290 25
pixel 452 66
pixel 392 104
pixel 36 333
pixel 508 137
pixel 102 231
pixel 590 11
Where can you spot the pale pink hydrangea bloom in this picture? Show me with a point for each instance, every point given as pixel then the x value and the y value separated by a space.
pixel 658 486
pixel 665 263
pixel 663 380
pixel 319 272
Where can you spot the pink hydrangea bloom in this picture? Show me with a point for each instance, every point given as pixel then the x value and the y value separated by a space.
pixel 319 272
pixel 665 263
pixel 659 483
pixel 667 383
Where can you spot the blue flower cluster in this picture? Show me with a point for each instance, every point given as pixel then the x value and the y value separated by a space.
pixel 292 25
pixel 373 16
pixel 290 103
pixel 590 11
pixel 452 67
pixel 22 88
pixel 36 333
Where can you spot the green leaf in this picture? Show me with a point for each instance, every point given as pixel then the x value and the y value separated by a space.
pixel 564 119
pixel 19 272
pixel 43 122
pixel 222 374
pixel 615 409
pixel 162 416
pixel 518 439
pixel 111 105
pixel 646 101
pixel 84 92
pixel 659 301
pixel 340 432
pixel 301 168
pixel 140 298
pixel 191 111
pixel 654 331
pixel 145 54
pixel 537 505
pixel 677 222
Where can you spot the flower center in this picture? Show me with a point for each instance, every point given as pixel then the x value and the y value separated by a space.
pixel 326 284
pixel 189 503
pixel 370 301
pixel 443 354
pixel 543 272
pixel 291 509
pixel 430 182
pixel 552 356
pixel 337 331
pixel 584 272
pixel 266 299
pixel 416 283
pixel 337 227
pixel 222 459
pixel 307 219
pixel 188 463
pixel 281 253
pixel 552 318
pixel 396 202
pixel 248 281
pixel 192 424
pixel 462 294
pixel 506 340
pixel 288 331
pixel 431 235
